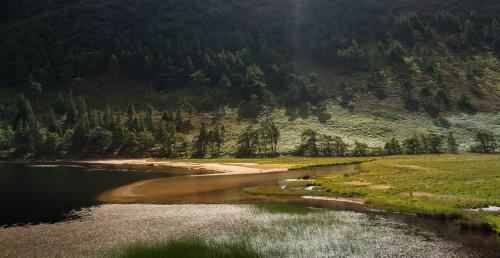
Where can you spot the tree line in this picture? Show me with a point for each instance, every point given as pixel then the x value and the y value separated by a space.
pixel 70 129
pixel 314 144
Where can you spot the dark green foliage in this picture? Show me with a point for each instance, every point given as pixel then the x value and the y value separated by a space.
pixel 396 52
pixel 260 142
pixel 245 54
pixel 393 147
pixel 424 143
pixel 6 140
pixel 201 142
pixel 411 145
pixel 314 145
pixel 53 124
pixel 25 112
pixel 309 146
pixel 182 125
pixel 376 86
pixel 360 149
pixel 148 121
pixel 465 105
pixel 247 143
pixel 435 143
pixel 486 142
pixel 353 56
pixel 52 146
pixel 60 104
pixel 71 111
pixel 175 44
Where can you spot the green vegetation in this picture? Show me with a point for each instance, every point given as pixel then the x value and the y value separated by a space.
pixel 78 131
pixel 283 208
pixel 253 90
pixel 441 186
pixel 425 56
pixel 187 248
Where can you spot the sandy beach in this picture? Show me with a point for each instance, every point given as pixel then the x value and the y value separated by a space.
pixel 218 168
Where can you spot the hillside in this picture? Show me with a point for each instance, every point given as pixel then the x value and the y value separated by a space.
pixel 365 70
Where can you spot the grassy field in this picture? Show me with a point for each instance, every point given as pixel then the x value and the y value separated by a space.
pixel 439 186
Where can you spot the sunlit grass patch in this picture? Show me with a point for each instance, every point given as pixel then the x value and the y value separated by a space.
pixel 430 185
pixel 493 221
pixel 284 208
pixel 187 248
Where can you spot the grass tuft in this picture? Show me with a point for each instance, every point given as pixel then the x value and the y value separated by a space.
pixel 284 208
pixel 187 248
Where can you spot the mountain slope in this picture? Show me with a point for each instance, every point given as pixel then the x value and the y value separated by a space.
pixel 427 55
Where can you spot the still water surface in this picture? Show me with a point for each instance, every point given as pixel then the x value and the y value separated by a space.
pixel 32 194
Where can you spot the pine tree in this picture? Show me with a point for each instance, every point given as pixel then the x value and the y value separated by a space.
pixel 246 143
pixel 178 120
pixel 130 113
pixel 149 123
pixel 200 144
pixel 53 124
pixel 109 118
pixel 71 110
pixel 81 106
pixel 60 105
pixel 24 111
pixel 309 146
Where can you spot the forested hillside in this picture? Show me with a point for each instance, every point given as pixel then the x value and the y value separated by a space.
pixel 308 57
pixel 251 53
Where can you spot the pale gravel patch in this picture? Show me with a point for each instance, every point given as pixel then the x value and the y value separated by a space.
pixel 324 234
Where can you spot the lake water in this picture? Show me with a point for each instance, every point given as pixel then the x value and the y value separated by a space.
pixel 64 200
pixel 31 194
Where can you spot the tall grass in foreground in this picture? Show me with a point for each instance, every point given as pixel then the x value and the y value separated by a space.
pixel 187 248
pixel 284 208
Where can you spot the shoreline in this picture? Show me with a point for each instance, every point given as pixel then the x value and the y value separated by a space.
pixel 216 168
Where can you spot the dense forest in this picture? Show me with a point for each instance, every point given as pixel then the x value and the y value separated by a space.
pixel 247 55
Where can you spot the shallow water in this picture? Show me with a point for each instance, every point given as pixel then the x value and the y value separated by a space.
pixel 324 234
pixel 208 189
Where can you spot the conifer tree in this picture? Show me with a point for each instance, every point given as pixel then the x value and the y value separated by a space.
pixel 53 124
pixel 71 110
pixel 200 144
pixel 60 105
pixel 24 111
pixel 149 122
